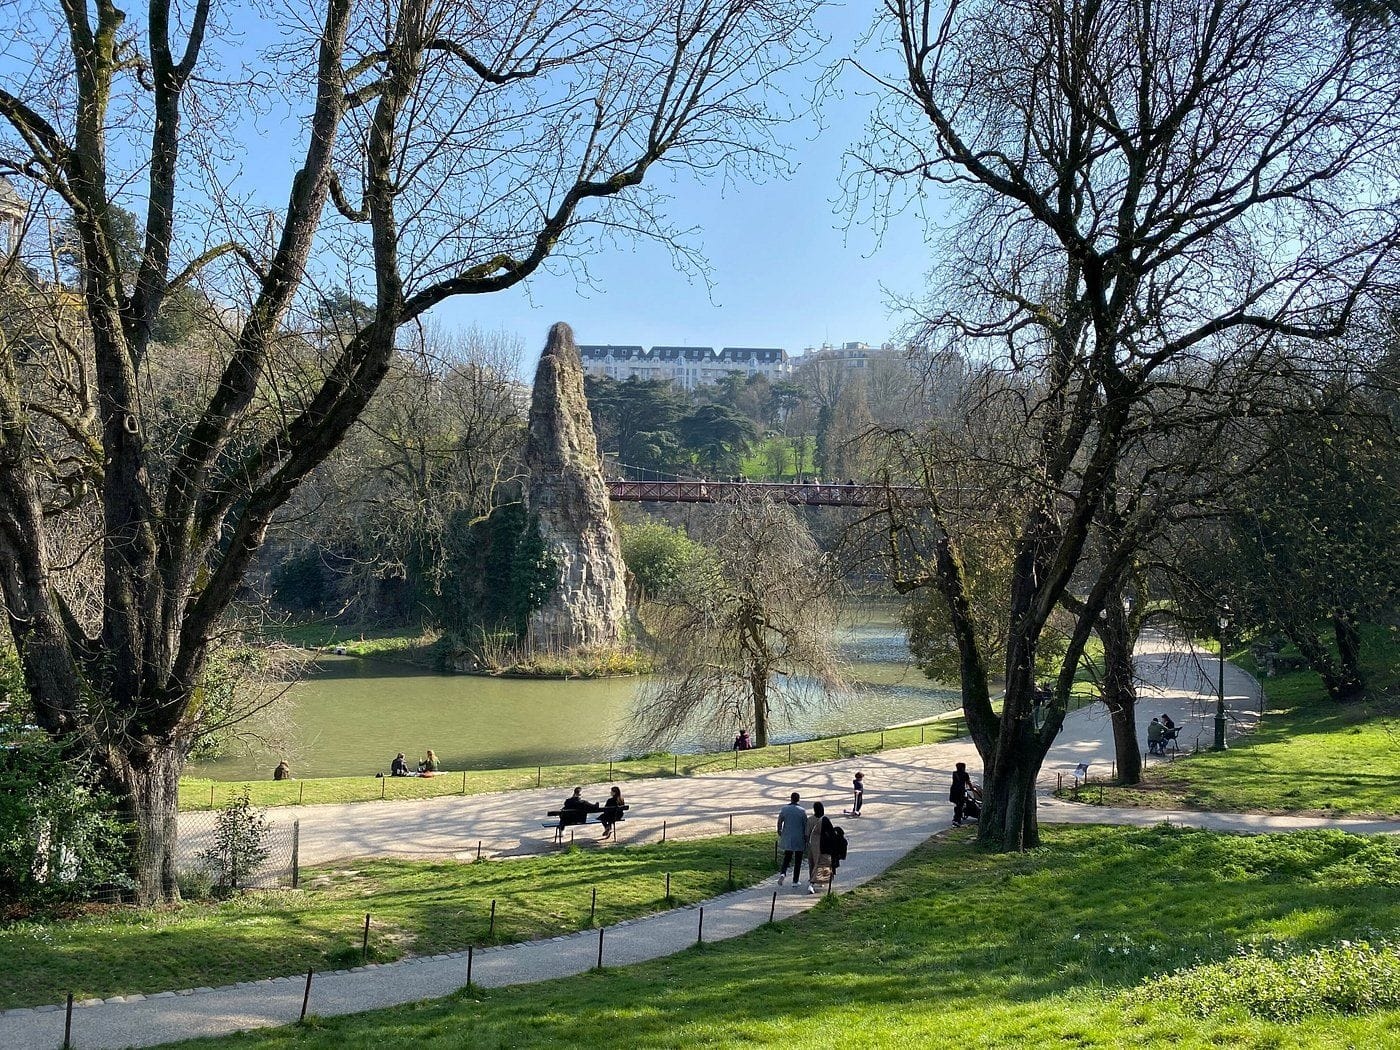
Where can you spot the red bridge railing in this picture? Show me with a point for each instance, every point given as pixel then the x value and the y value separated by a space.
pixel 810 495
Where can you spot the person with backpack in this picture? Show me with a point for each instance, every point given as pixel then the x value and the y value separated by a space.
pixel 839 847
pixel 820 839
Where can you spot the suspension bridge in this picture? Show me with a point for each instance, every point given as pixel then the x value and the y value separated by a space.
pixel 659 488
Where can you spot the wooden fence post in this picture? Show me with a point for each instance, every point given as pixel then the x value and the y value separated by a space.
pixel 296 854
pixel 593 908
pixel 600 947
pixel 773 906
pixel 364 943
pixel 491 932
pixel 469 966
pixel 700 930
pixel 68 1024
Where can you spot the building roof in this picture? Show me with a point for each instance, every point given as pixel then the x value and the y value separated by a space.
pixel 597 352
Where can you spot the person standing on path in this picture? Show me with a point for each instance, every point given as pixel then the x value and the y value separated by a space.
pixel 957 794
pixel 792 837
pixel 820 832
pixel 858 794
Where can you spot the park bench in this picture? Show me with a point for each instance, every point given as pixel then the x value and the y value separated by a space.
pixel 578 817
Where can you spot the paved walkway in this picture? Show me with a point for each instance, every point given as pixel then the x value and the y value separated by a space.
pixel 906 802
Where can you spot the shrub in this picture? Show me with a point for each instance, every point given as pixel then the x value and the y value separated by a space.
pixel 1347 977
pixel 59 837
pixel 240 845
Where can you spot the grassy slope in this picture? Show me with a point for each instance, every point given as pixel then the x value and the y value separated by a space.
pixel 1310 755
pixel 958 948
pixel 417 908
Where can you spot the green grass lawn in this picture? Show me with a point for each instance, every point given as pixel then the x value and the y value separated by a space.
pixel 1310 755
pixel 197 794
pixel 954 948
pixel 398 644
pixel 416 909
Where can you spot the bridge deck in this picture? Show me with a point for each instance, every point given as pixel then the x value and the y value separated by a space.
pixel 811 495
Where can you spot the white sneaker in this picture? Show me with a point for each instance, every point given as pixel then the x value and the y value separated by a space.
pixel 811 888
pixel 782 878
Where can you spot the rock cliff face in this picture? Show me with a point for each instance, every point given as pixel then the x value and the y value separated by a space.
pixel 570 500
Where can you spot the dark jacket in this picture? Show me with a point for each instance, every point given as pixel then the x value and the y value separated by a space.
pixel 575 810
pixel 611 812
pixel 398 768
pixel 962 784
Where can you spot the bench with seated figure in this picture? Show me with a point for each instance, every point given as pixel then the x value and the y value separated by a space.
pixel 577 816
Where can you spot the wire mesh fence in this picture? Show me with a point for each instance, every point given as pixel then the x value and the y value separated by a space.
pixel 226 851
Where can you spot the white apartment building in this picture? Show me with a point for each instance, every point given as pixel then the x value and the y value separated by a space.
pixel 685 366
pixel 851 355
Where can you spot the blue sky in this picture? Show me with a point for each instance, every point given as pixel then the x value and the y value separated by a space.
pixel 785 269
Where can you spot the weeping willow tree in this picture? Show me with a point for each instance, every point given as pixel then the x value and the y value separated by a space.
pixel 744 632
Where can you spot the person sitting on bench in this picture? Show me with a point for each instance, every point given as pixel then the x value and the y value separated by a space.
pixel 575 809
pixel 612 811
pixel 1169 731
pixel 1156 737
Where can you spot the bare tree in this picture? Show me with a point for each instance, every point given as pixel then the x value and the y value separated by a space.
pixel 762 608
pixel 429 456
pixel 1149 196
pixel 446 149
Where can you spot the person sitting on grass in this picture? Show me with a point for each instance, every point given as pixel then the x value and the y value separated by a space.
pixel 741 742
pixel 398 768
pixel 283 771
pixel 429 763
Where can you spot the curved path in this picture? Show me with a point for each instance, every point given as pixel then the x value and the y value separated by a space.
pixel 905 804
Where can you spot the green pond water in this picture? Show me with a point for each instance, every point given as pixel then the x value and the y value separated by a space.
pixel 347 716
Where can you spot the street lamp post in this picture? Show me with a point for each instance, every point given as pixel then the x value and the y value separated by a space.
pixel 1224 622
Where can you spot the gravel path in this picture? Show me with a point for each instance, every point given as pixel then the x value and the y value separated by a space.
pixel 906 802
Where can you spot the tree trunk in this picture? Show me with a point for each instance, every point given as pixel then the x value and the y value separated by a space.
pixel 758 686
pixel 1119 688
pixel 1351 679
pixel 1009 822
pixel 1342 682
pixel 147 779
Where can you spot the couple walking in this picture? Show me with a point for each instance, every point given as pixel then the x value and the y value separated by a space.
pixel 816 838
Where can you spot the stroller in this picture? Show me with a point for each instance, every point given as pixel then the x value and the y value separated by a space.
pixel 972 805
